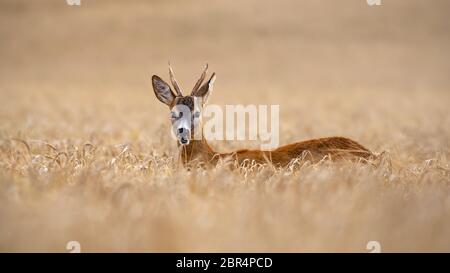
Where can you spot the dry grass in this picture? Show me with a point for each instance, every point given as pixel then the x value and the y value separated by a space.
pixel 85 152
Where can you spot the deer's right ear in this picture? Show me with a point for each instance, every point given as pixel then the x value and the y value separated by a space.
pixel 162 90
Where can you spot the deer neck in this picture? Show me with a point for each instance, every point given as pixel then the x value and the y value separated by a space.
pixel 197 150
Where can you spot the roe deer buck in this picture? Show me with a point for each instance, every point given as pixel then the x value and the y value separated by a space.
pixel 200 151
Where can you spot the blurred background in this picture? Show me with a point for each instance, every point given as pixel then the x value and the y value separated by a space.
pixel 71 75
pixel 314 58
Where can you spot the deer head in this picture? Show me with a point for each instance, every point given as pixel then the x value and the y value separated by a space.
pixel 185 111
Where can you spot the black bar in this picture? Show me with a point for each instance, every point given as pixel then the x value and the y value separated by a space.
pixel 221 262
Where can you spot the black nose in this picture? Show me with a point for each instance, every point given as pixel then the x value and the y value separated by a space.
pixel 180 130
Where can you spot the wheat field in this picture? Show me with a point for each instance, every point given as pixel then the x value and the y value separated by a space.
pixel 85 147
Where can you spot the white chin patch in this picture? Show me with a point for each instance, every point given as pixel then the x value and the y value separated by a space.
pixel 184 142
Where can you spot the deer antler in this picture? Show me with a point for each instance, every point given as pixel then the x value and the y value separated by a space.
pixel 174 82
pixel 200 81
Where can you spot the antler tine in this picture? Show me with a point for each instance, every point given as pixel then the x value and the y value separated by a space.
pixel 200 81
pixel 174 81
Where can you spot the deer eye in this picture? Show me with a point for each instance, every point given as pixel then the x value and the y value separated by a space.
pixel 174 115
pixel 196 114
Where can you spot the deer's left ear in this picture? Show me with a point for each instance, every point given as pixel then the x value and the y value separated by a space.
pixel 206 88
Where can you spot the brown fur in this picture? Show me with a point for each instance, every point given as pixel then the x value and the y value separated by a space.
pixel 313 150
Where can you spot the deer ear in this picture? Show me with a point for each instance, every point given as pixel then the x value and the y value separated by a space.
pixel 162 90
pixel 206 88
